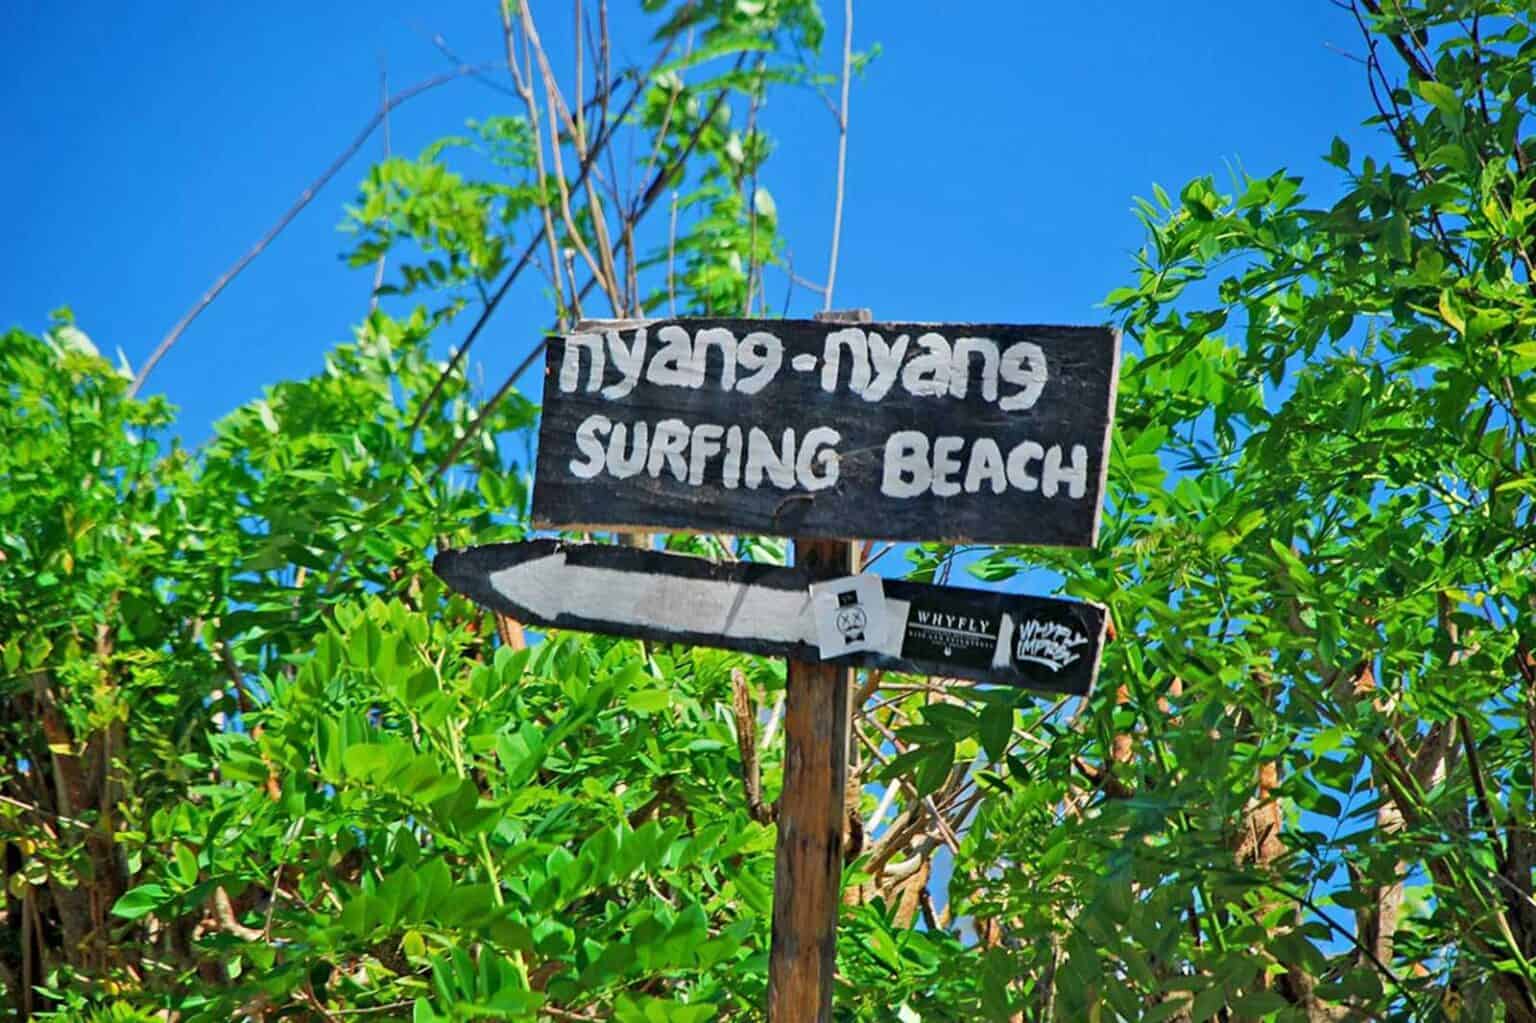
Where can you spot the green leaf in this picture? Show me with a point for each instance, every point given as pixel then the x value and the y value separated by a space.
pixel 1295 569
pixel 186 865
pixel 996 730
pixel 1449 313
pixel 884 948
pixel 956 722
pixel 1259 1003
pixel 933 769
pixel 1451 155
pixel 1443 97
pixel 140 901
pixel 648 701
pixel 763 204
pixel 1338 153
pixel 1207 1002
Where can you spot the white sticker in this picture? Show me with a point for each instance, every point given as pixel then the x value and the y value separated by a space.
pixel 850 614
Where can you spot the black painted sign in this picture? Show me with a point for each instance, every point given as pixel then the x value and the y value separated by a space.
pixel 902 431
pixel 1032 642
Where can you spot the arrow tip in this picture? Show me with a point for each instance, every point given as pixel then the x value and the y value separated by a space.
pixel 508 577
pixel 444 565
pixel 465 572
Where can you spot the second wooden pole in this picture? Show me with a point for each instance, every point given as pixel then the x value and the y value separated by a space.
pixel 808 864
pixel 808 859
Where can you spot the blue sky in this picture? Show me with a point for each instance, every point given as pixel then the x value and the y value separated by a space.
pixel 992 160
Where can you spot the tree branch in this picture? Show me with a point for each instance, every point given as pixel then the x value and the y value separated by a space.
pixel 522 263
pixel 647 200
pixel 746 741
pixel 842 153
pixel 287 218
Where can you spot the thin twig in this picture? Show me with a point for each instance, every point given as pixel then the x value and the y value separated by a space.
pixel 884 807
pixel 363 1010
pixel 485 411
pixel 580 127
pixel 29 808
pixel 809 285
pixel 842 152
pixel 775 718
pixel 576 315
pixel 524 86
pixel 1375 960
pixel 605 61
pixel 746 741
pixel 672 259
pixel 659 181
pixel 661 135
pixel 632 273
pixel 634 215
pixel 378 269
pixel 555 108
pixel 277 879
pixel 945 832
pixel 293 211
pixel 441 44
pixel 750 196
pixel 789 272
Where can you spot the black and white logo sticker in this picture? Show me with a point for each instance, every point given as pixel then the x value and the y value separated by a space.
pixel 1049 644
pixel 935 633
pixel 850 614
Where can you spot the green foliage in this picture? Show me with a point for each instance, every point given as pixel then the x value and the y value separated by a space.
pixel 426 799
pixel 331 786
pixel 147 595
pixel 260 764
pixel 461 225
pixel 1306 788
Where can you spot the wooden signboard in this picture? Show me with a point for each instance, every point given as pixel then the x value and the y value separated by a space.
pixel 1034 642
pixel 901 431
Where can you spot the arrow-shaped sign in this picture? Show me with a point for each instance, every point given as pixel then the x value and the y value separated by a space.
pixel 1033 642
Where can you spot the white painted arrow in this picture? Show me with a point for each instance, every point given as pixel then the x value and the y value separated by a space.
pixel 764 609
pixel 550 585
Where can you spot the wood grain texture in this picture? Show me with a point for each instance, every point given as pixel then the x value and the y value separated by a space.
pixel 1075 407
pixel 808 857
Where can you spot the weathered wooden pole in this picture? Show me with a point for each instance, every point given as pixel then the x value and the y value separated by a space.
pixel 808 859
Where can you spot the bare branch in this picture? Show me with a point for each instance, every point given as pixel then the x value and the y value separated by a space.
pixel 517 269
pixel 570 271
pixel 635 215
pixel 884 807
pixel 524 87
pixel 807 284
pixel 287 218
pixel 842 153
pixel 775 718
pixel 672 260
pixel 441 45
pixel 555 105
pixel 224 913
pixel 945 831
pixel 746 740
pixel 378 269
pixel 750 196
pixel 510 630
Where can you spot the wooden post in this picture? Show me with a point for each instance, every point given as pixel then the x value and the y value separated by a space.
pixel 808 859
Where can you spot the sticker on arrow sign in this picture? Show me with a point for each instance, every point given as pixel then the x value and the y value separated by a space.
pixel 850 614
